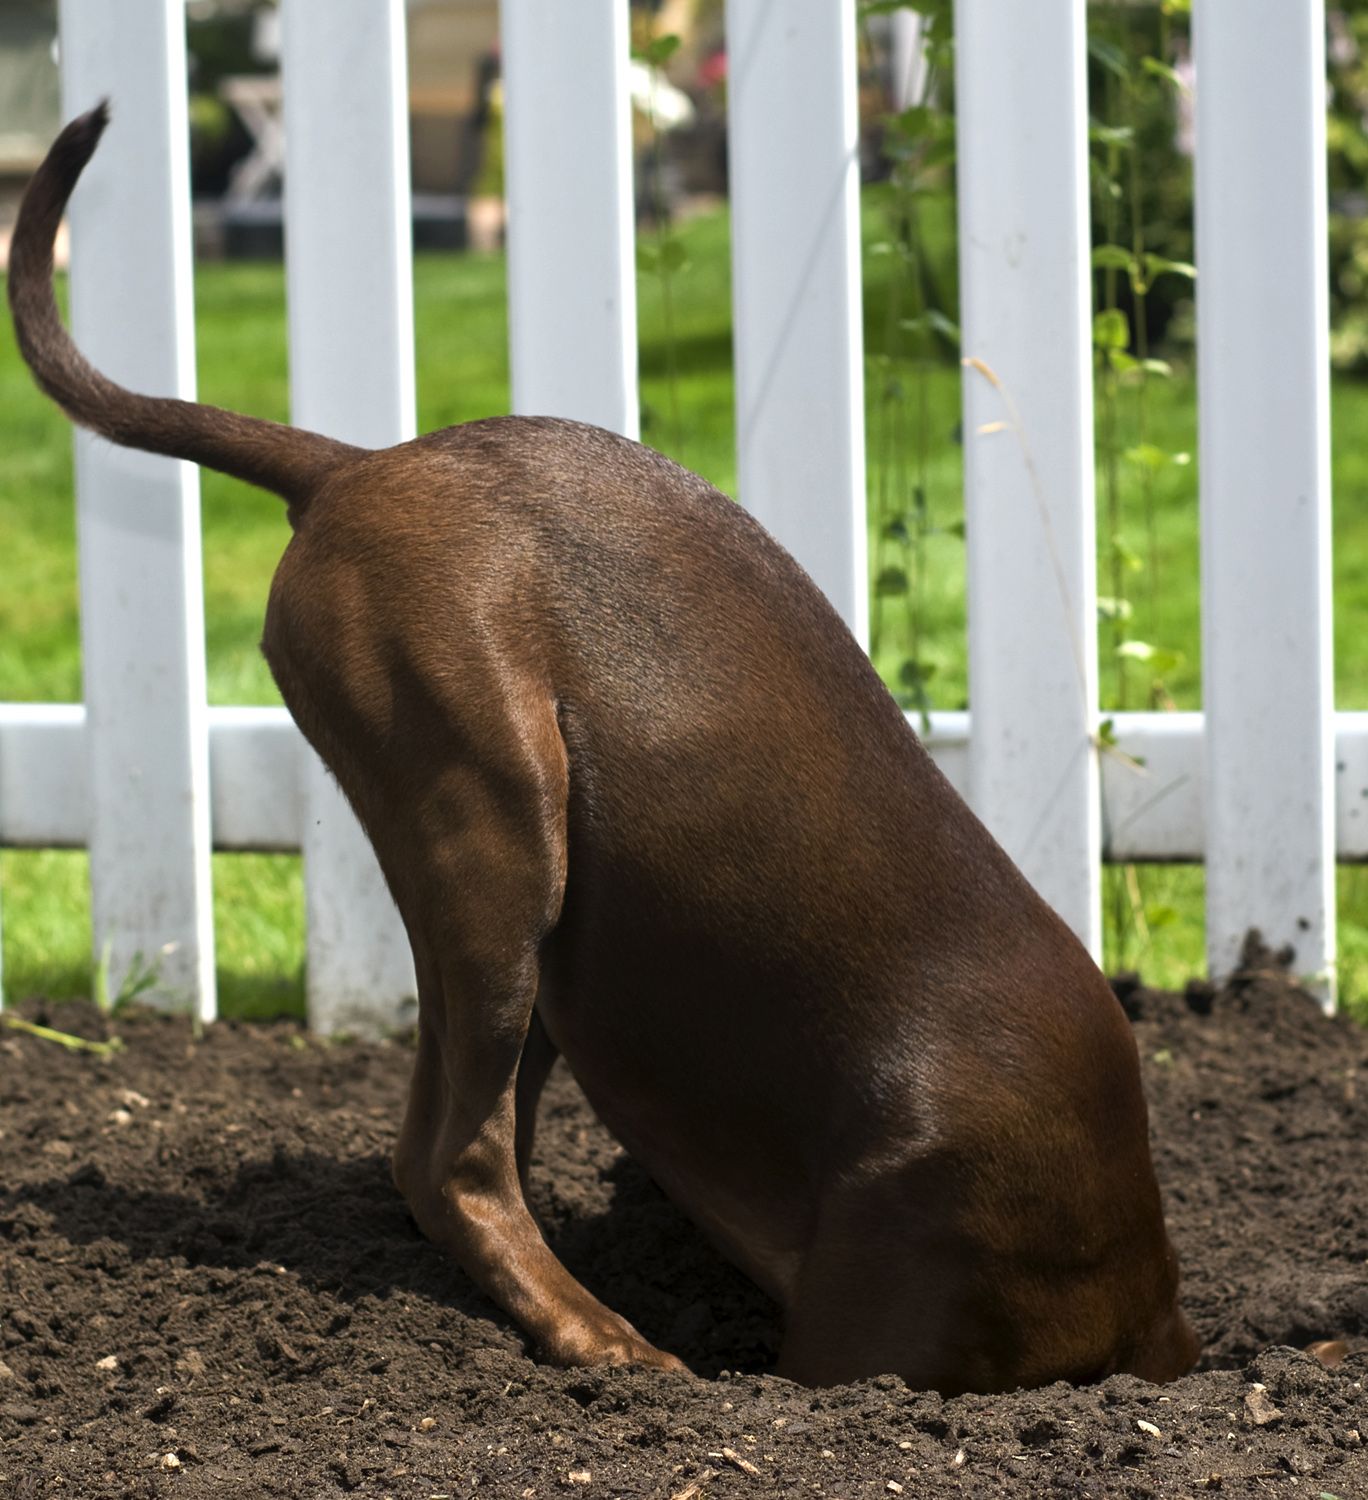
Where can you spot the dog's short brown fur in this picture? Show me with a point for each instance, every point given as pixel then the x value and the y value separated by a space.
pixel 643 802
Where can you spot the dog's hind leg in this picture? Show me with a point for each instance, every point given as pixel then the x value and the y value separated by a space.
pixel 455 764
pixel 480 891
pixel 539 1056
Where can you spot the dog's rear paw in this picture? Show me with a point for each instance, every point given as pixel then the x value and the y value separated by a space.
pixel 612 1342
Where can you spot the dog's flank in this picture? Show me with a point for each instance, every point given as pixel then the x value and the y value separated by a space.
pixel 285 460
pixel 644 804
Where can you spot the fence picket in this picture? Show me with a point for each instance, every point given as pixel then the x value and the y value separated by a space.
pixel 1024 275
pixel 571 238
pixel 1263 402
pixel 142 610
pixel 349 276
pixel 793 143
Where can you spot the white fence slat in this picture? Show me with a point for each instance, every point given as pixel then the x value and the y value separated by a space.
pixel 142 610
pixel 1263 408
pixel 1022 109
pixel 349 275
pixel 793 143
pixel 571 238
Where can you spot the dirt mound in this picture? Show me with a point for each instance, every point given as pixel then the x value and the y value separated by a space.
pixel 208 1286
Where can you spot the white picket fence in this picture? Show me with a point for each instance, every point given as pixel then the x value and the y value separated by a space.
pixel 1267 785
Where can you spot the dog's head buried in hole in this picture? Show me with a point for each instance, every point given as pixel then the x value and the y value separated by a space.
pixel 644 803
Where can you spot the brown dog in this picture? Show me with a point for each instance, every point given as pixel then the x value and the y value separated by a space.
pixel 643 801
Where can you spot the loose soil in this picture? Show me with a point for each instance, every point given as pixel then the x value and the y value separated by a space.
pixel 208 1286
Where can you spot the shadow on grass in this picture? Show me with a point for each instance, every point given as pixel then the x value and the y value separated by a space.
pixel 260 997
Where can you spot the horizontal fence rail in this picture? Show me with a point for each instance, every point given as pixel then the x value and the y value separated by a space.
pixel 1153 780
pixel 149 779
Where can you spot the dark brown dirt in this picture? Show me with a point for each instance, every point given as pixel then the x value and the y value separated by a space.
pixel 209 1287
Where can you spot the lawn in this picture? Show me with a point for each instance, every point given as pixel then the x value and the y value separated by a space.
pixel 1147 552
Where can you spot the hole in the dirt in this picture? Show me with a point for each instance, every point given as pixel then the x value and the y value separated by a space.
pixel 638 1253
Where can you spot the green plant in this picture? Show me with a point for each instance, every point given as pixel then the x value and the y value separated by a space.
pixel 1347 163
pixel 138 979
pixel 1136 87
pixel 919 333
pixel 65 1039
pixel 663 254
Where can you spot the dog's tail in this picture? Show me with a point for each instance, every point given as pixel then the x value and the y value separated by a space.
pixel 286 460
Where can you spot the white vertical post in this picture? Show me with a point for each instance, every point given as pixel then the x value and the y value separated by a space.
pixel 142 609
pixel 571 246
pixel 1022 108
pixel 350 282
pixel 793 140
pixel 1263 382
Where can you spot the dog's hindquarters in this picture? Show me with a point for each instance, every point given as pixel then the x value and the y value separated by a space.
pixel 451 755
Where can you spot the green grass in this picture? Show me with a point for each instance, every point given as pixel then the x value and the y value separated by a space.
pixel 913 413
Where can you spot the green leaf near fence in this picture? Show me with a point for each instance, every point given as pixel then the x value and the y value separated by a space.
pixel 1111 329
pixel 934 321
pixel 1158 659
pixel 658 51
pixel 1158 265
pixel 1113 257
pixel 1108 55
pixel 1159 69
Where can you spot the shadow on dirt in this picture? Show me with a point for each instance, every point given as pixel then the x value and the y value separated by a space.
pixel 340 1226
